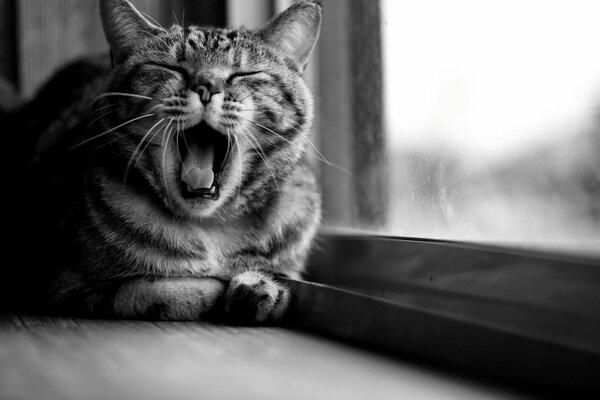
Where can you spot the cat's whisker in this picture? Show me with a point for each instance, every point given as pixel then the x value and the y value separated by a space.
pixel 261 154
pixel 320 156
pixel 283 151
pixel 158 52
pixel 155 108
pixel 177 140
pixel 279 136
pixel 288 156
pixel 148 142
pixel 101 108
pixel 180 133
pixel 170 123
pixel 106 144
pixel 231 138
pixel 156 36
pixel 132 160
pixel 182 17
pixel 187 146
pixel 108 94
pixel 155 22
pixel 164 162
pixel 100 117
pixel 238 100
pixel 95 137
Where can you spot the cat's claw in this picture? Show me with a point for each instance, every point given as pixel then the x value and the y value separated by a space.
pixel 254 297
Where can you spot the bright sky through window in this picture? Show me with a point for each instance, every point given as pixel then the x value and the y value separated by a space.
pixel 492 116
pixel 489 77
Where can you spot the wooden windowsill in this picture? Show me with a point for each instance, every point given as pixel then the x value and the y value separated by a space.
pixel 464 307
pixel 75 359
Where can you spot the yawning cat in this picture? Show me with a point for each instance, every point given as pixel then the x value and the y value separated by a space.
pixel 175 184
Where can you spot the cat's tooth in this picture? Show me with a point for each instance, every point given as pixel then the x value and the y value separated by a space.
pixel 213 190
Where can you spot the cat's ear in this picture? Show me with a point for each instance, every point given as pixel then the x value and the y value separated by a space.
pixel 294 31
pixel 124 27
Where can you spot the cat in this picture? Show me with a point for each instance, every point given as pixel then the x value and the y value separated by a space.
pixel 173 183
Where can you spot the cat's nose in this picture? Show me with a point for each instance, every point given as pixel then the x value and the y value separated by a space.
pixel 205 94
pixel 206 89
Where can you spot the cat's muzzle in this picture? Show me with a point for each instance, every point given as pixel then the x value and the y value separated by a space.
pixel 204 153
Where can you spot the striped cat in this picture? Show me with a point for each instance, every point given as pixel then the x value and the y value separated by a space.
pixel 185 192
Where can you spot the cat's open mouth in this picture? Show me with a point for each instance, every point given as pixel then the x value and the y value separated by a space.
pixel 204 153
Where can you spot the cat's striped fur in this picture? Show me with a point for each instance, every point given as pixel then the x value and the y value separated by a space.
pixel 140 242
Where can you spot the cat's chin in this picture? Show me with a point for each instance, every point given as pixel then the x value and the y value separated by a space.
pixel 193 206
pixel 199 204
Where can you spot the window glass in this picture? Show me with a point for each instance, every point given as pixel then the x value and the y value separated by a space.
pixel 491 120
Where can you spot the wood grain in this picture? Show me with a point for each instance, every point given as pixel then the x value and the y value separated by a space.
pixel 67 359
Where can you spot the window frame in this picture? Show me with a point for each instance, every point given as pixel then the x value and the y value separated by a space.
pixel 401 296
pixel 350 114
pixel 520 317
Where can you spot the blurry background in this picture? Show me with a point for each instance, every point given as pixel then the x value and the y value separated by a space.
pixel 492 121
pixel 459 119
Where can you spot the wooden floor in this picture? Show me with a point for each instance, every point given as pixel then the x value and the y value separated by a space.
pixel 89 359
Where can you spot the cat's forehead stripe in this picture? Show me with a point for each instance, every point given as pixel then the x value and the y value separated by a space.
pixel 197 39
pixel 238 57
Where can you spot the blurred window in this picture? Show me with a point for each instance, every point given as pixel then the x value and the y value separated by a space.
pixel 490 126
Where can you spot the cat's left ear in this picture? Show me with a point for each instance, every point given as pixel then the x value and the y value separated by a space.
pixel 124 27
pixel 295 31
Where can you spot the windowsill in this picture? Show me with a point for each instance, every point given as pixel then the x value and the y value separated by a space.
pixel 65 358
pixel 474 330
pixel 525 319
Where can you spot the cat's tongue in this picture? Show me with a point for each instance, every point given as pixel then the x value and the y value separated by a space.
pixel 196 170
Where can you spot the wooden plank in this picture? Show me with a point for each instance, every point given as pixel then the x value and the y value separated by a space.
pixel 96 359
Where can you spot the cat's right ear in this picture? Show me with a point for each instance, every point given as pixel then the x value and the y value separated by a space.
pixel 294 32
pixel 124 27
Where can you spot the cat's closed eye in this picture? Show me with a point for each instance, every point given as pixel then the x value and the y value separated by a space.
pixel 171 68
pixel 236 76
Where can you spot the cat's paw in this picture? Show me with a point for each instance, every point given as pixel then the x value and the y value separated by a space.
pixel 254 297
pixel 168 299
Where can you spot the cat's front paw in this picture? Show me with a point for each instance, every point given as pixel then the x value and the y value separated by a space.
pixel 254 297
pixel 174 299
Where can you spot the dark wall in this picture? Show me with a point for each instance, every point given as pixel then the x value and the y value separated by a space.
pixel 38 36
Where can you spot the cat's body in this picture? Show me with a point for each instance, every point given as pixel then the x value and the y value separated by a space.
pixel 174 185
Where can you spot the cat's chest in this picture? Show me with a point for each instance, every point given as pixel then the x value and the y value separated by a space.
pixel 149 240
pixel 221 246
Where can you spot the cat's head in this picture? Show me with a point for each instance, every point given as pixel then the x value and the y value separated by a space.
pixel 210 119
